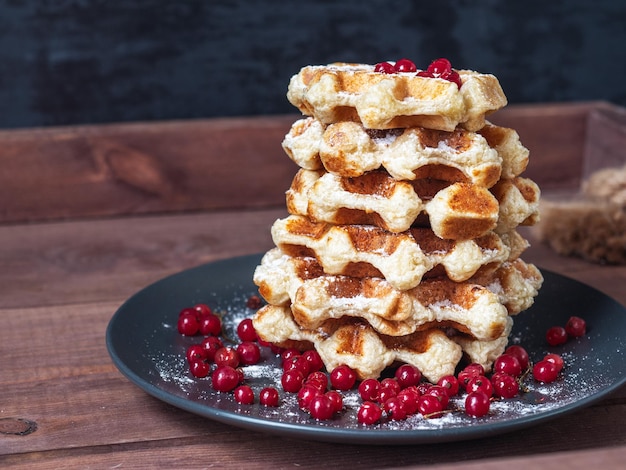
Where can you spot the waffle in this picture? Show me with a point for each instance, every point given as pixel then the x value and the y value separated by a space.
pixel 507 143
pixel 403 259
pixel 353 342
pixel 518 199
pixel 348 149
pixel 354 92
pixel 483 352
pixel 458 211
pixel 479 310
pixel 516 283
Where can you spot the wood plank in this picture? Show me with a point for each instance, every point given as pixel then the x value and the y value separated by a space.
pixel 87 171
pixel 105 259
pixel 260 451
pixel 106 170
pixel 605 148
pixel 554 134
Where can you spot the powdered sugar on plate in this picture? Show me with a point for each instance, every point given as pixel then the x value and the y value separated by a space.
pixel 574 385
pixel 144 344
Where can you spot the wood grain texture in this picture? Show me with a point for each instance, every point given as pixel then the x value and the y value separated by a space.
pixel 95 171
pixel 58 262
pixel 222 164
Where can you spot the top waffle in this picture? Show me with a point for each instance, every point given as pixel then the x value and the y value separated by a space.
pixel 354 92
pixel 348 149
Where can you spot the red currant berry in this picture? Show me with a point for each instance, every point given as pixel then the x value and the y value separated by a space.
pixel 384 67
pixel 504 385
pixel 240 373
pixel 430 406
pixel 520 353
pixel 545 371
pixel 369 413
pixel 409 397
pixel 314 359
pixel 556 336
pixel 425 74
pixel 225 379
pixel 336 399
pixel 342 377
pixel 576 327
pixel 450 383
pixel 439 67
pixel 408 375
pixel 211 345
pixel 195 353
pixel 394 407
pixel 369 389
pixel 441 393
pixel 246 331
pixel 405 65
pixel 390 384
pixel 480 383
pixel 297 363
pixel 188 324
pixel 287 354
pixel 318 379
pixel 385 394
pixel 227 356
pixel 306 394
pixel 269 397
pixel 254 302
pixel 469 372
pixel 210 325
pixel 292 381
pixel 203 309
pixel 508 364
pixel 199 369
pixel 189 311
pixel 556 360
pixel 244 395
pixel 477 404
pixel 321 408
pixel 454 77
pixel 249 353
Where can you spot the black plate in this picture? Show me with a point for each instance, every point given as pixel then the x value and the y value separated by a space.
pixel 144 344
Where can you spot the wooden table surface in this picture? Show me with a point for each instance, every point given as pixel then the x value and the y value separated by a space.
pixel 90 215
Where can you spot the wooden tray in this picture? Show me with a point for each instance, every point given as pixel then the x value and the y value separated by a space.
pixel 225 164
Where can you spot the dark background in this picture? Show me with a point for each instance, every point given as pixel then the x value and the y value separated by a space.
pixel 79 61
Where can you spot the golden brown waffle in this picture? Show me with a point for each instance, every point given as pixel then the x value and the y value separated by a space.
pixel 507 143
pixel 516 283
pixel 518 199
pixel 458 211
pixel 403 259
pixel 479 310
pixel 354 92
pixel 483 352
pixel 355 343
pixel 348 149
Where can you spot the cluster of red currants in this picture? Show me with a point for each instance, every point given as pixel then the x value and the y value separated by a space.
pixel 227 375
pixel 438 68
pixel 320 393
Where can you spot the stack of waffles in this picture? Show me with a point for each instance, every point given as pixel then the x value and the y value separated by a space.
pixel 400 245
